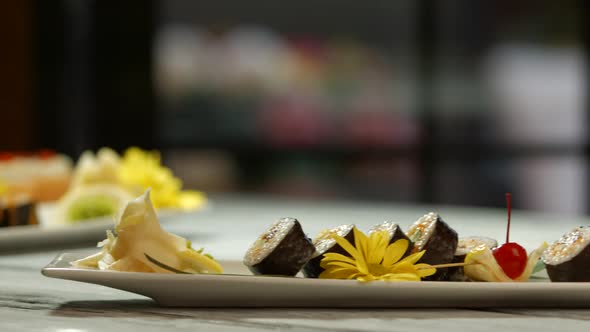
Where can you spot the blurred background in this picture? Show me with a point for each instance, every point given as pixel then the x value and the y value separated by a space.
pixel 446 102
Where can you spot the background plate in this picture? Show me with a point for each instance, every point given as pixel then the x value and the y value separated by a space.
pixel 240 290
pixel 50 232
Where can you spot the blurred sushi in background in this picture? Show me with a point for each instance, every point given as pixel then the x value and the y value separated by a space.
pixel 103 182
pixel 96 186
pixel 41 176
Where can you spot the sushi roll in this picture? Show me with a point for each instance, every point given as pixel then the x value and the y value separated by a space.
pixel 17 211
pixel 568 259
pixel 464 246
pixel 395 233
pixel 282 249
pixel 432 234
pixel 3 215
pixel 324 243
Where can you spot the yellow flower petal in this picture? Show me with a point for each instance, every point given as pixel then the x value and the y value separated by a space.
pixel 361 244
pixel 346 245
pixel 342 270
pixel 190 199
pixel 395 251
pixel 338 257
pixel 424 270
pixel 357 255
pixel 377 246
pixel 366 278
pixel 413 258
pixel 340 274
pixel 140 170
pixel 337 263
pixel 374 259
pixel 3 187
pixel 403 267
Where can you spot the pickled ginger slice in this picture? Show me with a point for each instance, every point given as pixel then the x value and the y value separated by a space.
pixel 141 245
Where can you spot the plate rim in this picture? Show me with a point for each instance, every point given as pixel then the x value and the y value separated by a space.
pixel 52 267
pixel 14 238
pixel 241 290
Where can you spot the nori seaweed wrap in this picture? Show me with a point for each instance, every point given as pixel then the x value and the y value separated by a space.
pixel 17 211
pixel 432 234
pixel 568 259
pixel 395 233
pixel 324 243
pixel 282 250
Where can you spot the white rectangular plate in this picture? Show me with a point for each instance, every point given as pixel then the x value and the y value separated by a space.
pixel 50 232
pixel 241 290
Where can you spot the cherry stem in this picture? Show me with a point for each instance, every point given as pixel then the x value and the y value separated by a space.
pixel 509 207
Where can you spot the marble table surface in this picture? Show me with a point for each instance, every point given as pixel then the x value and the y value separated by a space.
pixel 32 302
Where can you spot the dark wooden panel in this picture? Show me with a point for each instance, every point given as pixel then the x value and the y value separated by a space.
pixel 16 75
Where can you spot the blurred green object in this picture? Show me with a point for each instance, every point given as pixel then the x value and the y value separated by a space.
pixel 88 207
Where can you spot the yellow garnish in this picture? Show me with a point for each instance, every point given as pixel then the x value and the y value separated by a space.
pixel 141 169
pixel 373 258
pixel 141 245
pixel 480 265
pixel 190 199
pixel 134 172
pixel 3 187
pixel 100 168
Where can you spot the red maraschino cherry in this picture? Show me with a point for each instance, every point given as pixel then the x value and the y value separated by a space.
pixel 511 257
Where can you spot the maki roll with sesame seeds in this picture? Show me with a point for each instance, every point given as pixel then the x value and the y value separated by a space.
pixel 282 249
pixel 568 259
pixel 439 240
pixel 324 243
pixel 464 246
pixel 395 233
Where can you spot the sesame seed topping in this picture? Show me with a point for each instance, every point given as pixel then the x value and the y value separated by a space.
pixel 324 241
pixel 568 246
pixel 422 229
pixel 268 241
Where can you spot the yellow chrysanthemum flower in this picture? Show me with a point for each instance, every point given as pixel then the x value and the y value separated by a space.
pixel 373 258
pixel 140 170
